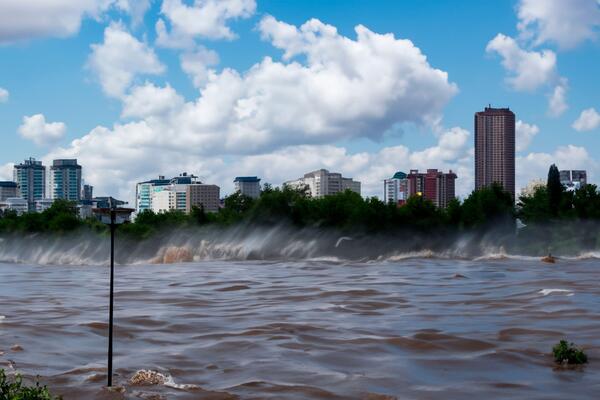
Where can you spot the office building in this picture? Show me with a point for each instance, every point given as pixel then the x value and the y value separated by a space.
pixel 436 186
pixel 573 179
pixel 65 180
pixel 202 196
pixel 30 177
pixel 7 189
pixel 144 192
pixel 248 186
pixel 395 189
pixel 495 148
pixel 322 183
pixel 87 193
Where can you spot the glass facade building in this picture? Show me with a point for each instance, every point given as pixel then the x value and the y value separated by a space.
pixel 65 180
pixel 30 177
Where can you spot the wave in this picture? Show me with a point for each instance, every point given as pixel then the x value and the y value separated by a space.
pixel 275 243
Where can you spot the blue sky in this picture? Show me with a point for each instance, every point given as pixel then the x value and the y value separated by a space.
pixel 99 73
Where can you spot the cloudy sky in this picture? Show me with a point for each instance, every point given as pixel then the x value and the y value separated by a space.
pixel 275 88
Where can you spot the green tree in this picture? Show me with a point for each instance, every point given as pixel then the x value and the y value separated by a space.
pixel 555 190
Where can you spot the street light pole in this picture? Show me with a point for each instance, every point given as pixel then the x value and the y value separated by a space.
pixel 112 284
pixel 112 216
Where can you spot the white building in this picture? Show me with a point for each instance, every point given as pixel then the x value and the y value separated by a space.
pixel 181 194
pixel 164 200
pixel 532 186
pixel 248 186
pixel 396 189
pixel 43 204
pixel 324 183
pixel 17 204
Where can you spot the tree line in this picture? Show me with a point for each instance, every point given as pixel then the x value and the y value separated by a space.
pixel 484 209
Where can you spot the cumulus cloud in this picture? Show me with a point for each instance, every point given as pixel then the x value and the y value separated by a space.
pixel 340 88
pixel 4 95
pixel 529 69
pixel 557 102
pixel 197 64
pixel 36 129
pixel 202 19
pixel 535 165
pixel 27 19
pixel 525 134
pixel 151 101
pixel 566 23
pixel 120 58
pixel 588 120
pixel 136 8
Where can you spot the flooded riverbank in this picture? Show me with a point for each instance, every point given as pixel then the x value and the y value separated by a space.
pixel 319 329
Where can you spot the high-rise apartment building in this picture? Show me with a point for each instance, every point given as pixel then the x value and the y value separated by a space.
pixel 321 183
pixel 8 189
pixel 495 148
pixel 30 177
pixel 434 185
pixel 395 189
pixel 248 186
pixel 65 180
pixel 573 179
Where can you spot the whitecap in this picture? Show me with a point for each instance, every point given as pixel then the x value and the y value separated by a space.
pixel 546 292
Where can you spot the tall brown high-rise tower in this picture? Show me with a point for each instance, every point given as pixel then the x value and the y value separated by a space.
pixel 495 148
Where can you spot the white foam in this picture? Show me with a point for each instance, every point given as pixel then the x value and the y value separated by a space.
pixel 2 317
pixel 546 292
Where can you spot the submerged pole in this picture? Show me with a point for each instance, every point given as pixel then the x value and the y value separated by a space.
pixel 110 308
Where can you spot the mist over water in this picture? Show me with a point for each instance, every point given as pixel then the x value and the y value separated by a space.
pixel 283 313
pixel 281 242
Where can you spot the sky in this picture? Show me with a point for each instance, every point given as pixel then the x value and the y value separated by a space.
pixel 275 88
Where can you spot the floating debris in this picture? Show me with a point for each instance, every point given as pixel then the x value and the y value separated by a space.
pixel 147 377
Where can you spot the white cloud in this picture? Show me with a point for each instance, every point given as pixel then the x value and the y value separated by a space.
pixel 530 69
pixel 453 151
pixel 151 101
pixel 203 19
pixel 567 23
pixel 4 95
pixel 197 63
pixel 588 120
pixel 536 165
pixel 6 172
pixel 36 129
pixel 120 58
pixel 525 134
pixel 136 8
pixel 30 19
pixel 557 102
pixel 344 88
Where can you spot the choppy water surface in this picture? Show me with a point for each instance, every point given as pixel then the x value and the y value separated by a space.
pixel 411 329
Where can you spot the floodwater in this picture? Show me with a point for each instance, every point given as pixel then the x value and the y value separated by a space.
pixel 318 329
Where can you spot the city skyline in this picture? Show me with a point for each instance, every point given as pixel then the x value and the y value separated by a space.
pixel 152 109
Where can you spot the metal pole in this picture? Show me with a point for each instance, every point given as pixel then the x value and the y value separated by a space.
pixel 110 309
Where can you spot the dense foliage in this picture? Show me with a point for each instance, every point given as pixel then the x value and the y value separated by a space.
pixel 13 389
pixel 568 353
pixel 554 219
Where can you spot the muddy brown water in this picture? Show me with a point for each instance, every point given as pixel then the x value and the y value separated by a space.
pixel 320 329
